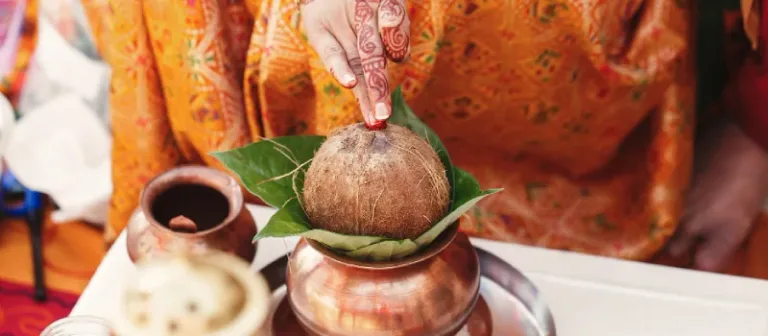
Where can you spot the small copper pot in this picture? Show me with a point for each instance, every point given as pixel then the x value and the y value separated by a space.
pixel 211 198
pixel 430 293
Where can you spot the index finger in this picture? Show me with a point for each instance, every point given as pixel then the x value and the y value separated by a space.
pixel 372 57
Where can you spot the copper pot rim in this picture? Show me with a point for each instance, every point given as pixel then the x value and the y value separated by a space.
pixel 438 245
pixel 192 174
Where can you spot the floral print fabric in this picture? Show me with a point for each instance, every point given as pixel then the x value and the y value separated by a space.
pixel 581 110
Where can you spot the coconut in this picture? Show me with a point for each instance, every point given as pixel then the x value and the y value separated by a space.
pixel 387 183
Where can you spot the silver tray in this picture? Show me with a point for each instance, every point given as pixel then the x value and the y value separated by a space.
pixel 510 304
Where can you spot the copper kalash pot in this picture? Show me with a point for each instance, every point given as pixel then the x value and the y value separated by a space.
pixel 432 292
pixel 191 209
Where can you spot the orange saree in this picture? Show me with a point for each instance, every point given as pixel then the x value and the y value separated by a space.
pixel 582 110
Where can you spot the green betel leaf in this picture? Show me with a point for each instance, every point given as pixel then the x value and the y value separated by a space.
pixel 385 250
pixel 403 115
pixel 468 193
pixel 467 188
pixel 273 169
pixel 290 220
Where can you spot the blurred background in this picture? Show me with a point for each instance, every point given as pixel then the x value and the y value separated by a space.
pixel 56 142
pixel 53 83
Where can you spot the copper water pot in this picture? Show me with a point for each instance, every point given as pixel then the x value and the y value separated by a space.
pixel 430 293
pixel 207 196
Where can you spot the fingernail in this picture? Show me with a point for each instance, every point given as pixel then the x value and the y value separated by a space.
pixel 382 112
pixel 349 79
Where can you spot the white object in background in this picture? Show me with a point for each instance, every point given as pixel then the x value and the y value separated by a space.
pixel 70 20
pixel 9 44
pixel 588 296
pixel 7 123
pixel 65 65
pixel 62 149
pixel 59 67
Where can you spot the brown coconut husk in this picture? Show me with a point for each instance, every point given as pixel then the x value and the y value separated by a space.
pixel 388 183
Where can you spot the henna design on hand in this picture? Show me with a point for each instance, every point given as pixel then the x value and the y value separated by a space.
pixel 371 50
pixel 391 13
pixel 366 43
pixel 373 60
pixel 357 67
pixel 364 12
pixel 395 28
pixel 375 69
pixel 397 43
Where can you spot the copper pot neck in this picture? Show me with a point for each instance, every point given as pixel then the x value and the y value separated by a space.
pixel 431 250
pixel 200 175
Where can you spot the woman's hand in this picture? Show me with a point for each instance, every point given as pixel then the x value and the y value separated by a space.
pixel 726 197
pixel 354 38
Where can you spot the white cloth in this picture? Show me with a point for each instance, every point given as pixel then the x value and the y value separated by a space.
pixel 7 124
pixel 61 144
pixel 63 150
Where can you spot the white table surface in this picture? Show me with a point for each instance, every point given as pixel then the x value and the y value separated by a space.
pixel 588 296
